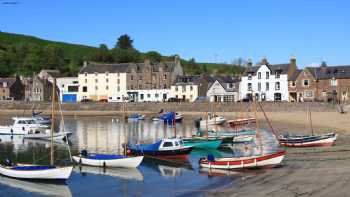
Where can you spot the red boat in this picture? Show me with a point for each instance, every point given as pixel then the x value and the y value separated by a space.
pixel 240 121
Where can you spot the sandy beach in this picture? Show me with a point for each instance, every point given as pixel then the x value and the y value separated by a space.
pixel 304 172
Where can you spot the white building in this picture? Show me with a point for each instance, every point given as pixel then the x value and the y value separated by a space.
pixel 68 87
pixel 267 82
pixel 152 95
pixel 224 89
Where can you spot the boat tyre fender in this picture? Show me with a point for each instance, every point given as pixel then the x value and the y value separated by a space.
pixel 12 131
pixel 104 164
pixel 201 160
pixel 80 161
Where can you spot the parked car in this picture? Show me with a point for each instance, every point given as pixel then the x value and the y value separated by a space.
pixel 103 101
pixel 85 100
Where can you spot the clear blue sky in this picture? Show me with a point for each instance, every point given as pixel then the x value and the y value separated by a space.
pixel 211 31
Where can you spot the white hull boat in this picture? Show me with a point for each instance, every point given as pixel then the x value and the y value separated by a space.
pixel 22 126
pixel 120 162
pixel 47 136
pixel 124 173
pixel 36 172
pixel 213 121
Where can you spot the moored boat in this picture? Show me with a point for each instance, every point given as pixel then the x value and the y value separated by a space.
pixel 240 121
pixel 21 126
pixel 324 140
pixel 107 160
pixel 212 119
pixel 168 147
pixel 170 117
pixel 136 117
pixel 265 160
pixel 202 143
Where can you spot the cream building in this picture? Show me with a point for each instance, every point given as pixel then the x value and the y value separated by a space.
pixel 186 92
pixel 97 82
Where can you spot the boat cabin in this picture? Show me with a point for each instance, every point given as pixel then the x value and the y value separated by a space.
pixel 170 144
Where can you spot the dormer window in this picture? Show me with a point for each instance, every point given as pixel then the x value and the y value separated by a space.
pixel 333 82
pixel 306 82
pixel 259 75
pixel 95 73
pixel 277 74
pixel 107 73
pixel 267 75
pixel 85 74
pixel 249 76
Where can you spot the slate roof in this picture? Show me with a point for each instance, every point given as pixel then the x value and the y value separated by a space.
pixel 125 67
pixel 9 81
pixel 273 67
pixel 328 72
pixel 295 75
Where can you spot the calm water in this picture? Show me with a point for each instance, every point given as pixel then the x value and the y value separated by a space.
pixel 106 135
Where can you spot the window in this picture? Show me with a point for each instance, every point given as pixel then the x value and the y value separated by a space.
pixel 85 74
pixel 84 88
pixel 267 86
pixel 96 80
pixel 73 88
pixel 183 88
pixel 107 87
pixel 267 75
pixel 176 144
pixel 249 86
pixel 148 95
pixel 191 88
pixel 278 96
pixel 306 82
pixel 259 75
pixel 164 76
pixel 293 83
pixel 164 96
pixel 131 77
pixel 168 144
pixel 231 85
pixel 333 82
pixel 277 74
pixel 140 77
pixel 107 80
pixel 85 80
pixel 117 74
pixel 107 73
pixel 156 95
pixel 118 81
pixel 118 89
pixel 21 122
pixel 277 86
pixel 309 94
pixel 249 76
pixel 141 96
pixel 259 86
pixel 96 88
pixel 95 74
pixel 176 88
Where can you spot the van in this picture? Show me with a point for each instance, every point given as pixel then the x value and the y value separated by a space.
pixel 118 99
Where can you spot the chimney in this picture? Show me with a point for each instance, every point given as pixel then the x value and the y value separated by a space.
pixel 249 63
pixel 177 59
pixel 323 66
pixel 293 61
pixel 147 61
pixel 85 63
pixel 264 61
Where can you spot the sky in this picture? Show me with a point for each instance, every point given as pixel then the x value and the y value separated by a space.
pixel 209 31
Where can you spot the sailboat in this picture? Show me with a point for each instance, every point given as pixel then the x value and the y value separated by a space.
pixel 323 140
pixel 256 161
pixel 108 160
pixel 38 172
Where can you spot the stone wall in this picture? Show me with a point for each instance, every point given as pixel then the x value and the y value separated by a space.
pixel 156 107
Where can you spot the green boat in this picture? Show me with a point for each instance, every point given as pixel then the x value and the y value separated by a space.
pixel 202 143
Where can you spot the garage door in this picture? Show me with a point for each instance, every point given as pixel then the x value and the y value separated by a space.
pixel 71 98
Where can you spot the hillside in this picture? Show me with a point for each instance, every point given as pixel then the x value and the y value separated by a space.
pixel 25 55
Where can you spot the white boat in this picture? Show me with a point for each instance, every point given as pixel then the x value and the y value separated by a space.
pixel 212 119
pixel 46 135
pixel 21 126
pixel 124 173
pixel 36 172
pixel 243 138
pixel 266 160
pixel 41 120
pixel 106 160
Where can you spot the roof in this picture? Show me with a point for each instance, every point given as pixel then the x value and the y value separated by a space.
pixel 9 81
pixel 187 79
pixel 225 80
pixel 325 72
pixel 283 68
pixel 295 75
pixel 55 74
pixel 125 67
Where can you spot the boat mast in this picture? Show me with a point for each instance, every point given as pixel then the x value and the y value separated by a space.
pixel 53 98
pixel 257 122
pixel 311 127
pixel 64 130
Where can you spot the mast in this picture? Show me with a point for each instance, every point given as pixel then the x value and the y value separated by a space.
pixel 53 98
pixel 257 122
pixel 65 134
pixel 311 127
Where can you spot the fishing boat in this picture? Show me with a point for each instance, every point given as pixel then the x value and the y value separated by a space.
pixel 240 121
pixel 168 147
pixel 136 117
pixel 21 126
pixel 212 119
pixel 202 143
pixel 324 140
pixel 107 160
pixel 266 160
pixel 38 172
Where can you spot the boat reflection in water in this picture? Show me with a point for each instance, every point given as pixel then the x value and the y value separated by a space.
pixel 47 189
pixel 123 173
pixel 167 168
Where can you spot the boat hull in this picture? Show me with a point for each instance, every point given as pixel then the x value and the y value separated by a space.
pixel 240 122
pixel 183 152
pixel 62 173
pixel 42 136
pixel 203 144
pixel 315 143
pixel 268 160
pixel 128 162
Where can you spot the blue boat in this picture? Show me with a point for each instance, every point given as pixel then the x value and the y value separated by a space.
pixel 136 117
pixel 169 117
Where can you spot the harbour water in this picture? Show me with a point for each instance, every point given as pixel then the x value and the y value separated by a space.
pixel 154 177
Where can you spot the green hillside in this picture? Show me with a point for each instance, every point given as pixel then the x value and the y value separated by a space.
pixel 25 55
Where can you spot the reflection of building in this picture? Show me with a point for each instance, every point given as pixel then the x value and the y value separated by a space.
pixel 267 81
pixel 68 87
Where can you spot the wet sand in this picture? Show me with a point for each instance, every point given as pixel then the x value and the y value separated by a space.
pixel 304 172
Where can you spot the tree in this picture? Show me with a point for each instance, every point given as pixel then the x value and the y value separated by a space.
pixel 124 42
pixel 153 56
pixel 53 57
pixel 102 54
pixel 125 55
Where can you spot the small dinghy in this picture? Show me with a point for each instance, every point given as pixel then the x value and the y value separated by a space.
pixel 136 117
pixel 212 119
pixel 34 172
pixel 241 121
pixel 202 143
pixel 324 140
pixel 107 160
pixel 266 160
pixel 168 147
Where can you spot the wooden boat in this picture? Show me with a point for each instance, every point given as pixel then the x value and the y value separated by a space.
pixel 267 160
pixel 324 140
pixel 107 160
pixel 212 119
pixel 241 121
pixel 35 172
pixel 168 147
pixel 202 143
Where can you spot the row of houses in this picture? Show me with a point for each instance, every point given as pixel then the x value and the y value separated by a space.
pixel 165 81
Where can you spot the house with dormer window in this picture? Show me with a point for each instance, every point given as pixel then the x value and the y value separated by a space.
pixel 224 89
pixel 267 82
